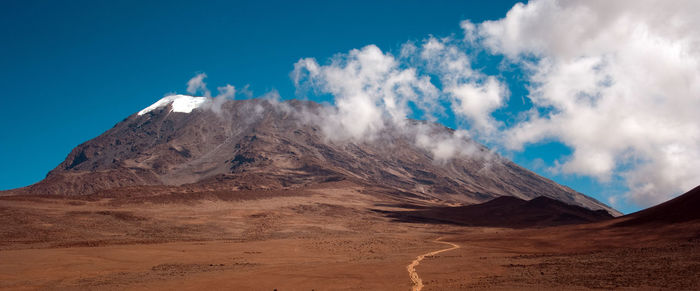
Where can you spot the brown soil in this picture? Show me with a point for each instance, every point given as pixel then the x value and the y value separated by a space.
pixel 330 237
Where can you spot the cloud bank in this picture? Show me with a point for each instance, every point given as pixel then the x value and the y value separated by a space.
pixel 617 82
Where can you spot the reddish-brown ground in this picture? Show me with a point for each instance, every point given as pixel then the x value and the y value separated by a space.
pixel 330 237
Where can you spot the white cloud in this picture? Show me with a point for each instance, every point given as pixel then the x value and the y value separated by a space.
pixel 225 93
pixel 370 90
pixel 445 146
pixel 476 101
pixel 470 31
pixel 197 85
pixel 617 81
pixel 474 96
pixel 245 91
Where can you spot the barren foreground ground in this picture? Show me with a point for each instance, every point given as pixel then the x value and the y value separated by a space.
pixel 331 237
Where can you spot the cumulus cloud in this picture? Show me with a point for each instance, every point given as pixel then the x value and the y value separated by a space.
pixel 370 89
pixel 473 95
pixel 375 91
pixel 470 30
pixel 618 82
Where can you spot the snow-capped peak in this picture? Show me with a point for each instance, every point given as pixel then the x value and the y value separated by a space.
pixel 181 103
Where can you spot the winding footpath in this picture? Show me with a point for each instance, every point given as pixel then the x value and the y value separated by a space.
pixel 417 282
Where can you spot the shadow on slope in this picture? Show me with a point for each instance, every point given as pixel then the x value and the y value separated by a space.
pixel 683 208
pixel 504 211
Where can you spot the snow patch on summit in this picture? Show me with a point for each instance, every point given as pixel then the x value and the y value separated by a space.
pixel 180 103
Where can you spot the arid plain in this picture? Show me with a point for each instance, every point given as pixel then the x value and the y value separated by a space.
pixel 332 236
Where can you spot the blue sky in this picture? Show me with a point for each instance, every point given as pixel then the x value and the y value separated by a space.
pixel 70 71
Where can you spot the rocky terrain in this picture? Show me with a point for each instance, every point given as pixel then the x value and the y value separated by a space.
pixel 261 144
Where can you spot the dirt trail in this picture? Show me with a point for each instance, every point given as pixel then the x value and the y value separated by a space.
pixel 417 282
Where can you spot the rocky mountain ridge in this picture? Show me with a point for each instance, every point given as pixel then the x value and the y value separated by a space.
pixel 265 144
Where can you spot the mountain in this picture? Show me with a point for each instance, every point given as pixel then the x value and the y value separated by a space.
pixel 259 144
pixel 506 211
pixel 683 208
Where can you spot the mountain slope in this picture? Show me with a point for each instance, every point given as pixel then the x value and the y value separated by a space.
pixel 506 212
pixel 680 209
pixel 261 144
